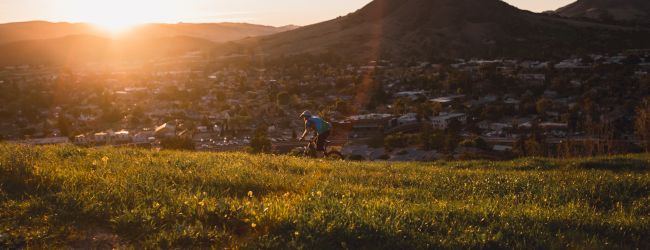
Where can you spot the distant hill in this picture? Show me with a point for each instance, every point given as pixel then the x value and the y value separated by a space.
pixel 37 30
pixel 215 32
pixel 604 10
pixel 422 29
pixel 88 48
pixel 55 43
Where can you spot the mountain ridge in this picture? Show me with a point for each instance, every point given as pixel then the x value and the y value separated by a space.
pixel 425 29
pixel 215 32
pixel 90 48
pixel 607 10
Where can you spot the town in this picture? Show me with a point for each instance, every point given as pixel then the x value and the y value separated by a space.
pixel 381 110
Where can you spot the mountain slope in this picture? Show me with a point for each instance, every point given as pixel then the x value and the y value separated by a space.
pixel 215 32
pixel 37 30
pixel 621 10
pixel 62 43
pixel 87 48
pixel 419 29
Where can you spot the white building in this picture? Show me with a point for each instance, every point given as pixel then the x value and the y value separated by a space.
pixel 83 139
pixel 48 141
pixel 412 95
pixel 444 119
pixel 502 148
pixel 166 130
pixel 122 136
pixel 410 118
pixel 144 137
pixel 101 137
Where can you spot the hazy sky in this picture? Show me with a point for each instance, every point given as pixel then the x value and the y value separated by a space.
pixel 271 12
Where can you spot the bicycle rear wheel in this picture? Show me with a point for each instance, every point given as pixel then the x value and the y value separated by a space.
pixel 334 155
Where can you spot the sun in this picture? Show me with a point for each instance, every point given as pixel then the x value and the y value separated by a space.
pixel 119 16
pixel 116 26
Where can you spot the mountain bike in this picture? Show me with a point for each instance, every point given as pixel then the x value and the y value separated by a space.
pixel 310 151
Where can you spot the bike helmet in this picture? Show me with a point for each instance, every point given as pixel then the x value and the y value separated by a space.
pixel 305 114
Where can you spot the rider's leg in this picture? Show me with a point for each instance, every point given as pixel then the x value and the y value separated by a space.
pixel 320 143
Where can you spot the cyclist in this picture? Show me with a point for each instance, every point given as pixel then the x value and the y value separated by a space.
pixel 321 127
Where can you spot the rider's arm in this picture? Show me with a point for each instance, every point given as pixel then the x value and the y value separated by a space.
pixel 304 134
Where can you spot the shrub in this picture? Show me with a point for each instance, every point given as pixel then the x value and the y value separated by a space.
pixel 396 141
pixel 260 142
pixel 177 143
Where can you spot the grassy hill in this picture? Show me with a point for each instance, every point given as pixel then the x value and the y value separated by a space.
pixel 63 196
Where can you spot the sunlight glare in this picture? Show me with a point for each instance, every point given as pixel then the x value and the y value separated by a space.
pixel 119 16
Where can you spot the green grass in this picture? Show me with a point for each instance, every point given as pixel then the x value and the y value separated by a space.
pixel 63 196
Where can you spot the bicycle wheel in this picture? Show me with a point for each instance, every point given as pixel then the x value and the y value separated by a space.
pixel 334 155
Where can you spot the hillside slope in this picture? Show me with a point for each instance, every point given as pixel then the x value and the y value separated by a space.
pixel 621 10
pixel 66 43
pixel 63 196
pixel 424 29
pixel 85 48
pixel 215 32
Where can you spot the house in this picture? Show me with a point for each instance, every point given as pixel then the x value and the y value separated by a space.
pixel 407 119
pixel 411 95
pixel 144 137
pixel 83 139
pixel 86 118
pixel 121 136
pixel 101 137
pixel 514 103
pixel 166 130
pixel 532 79
pixel 48 141
pixel 497 126
pixel 502 148
pixel 553 126
pixel 570 64
pixel 202 129
pixel 367 125
pixel 444 119
pixel 448 100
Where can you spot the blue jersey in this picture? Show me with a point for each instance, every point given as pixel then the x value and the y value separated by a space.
pixel 317 123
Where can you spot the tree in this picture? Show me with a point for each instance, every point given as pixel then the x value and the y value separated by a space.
pixel 342 107
pixel 396 141
pixel 64 125
pixel 260 142
pixel 377 96
pixel 283 98
pixel 643 123
pixel 436 108
pixel 425 111
pixel 534 147
pixel 542 106
pixel 520 146
pixel 177 143
pixel 400 106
